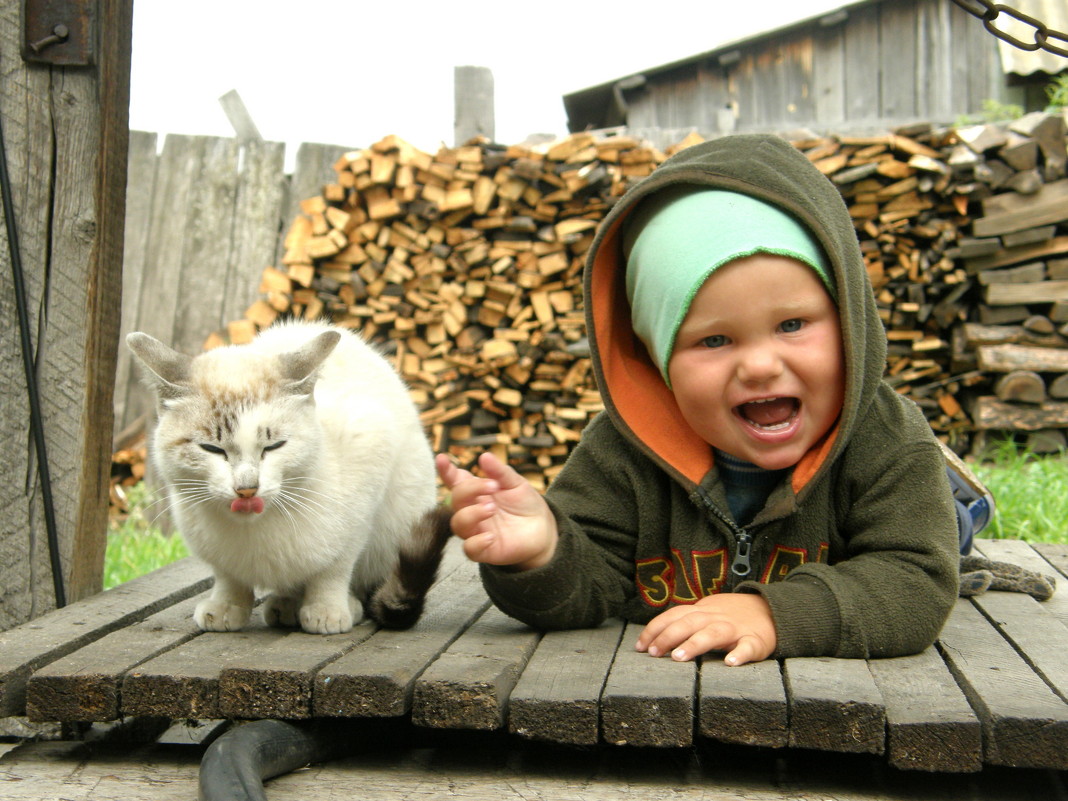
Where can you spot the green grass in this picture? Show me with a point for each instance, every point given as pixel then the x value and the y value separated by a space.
pixel 1029 492
pixel 135 545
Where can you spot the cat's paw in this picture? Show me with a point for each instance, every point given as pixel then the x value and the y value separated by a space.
pixel 282 610
pixel 218 615
pixel 323 618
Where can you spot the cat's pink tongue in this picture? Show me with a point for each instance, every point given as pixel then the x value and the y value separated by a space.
pixel 247 505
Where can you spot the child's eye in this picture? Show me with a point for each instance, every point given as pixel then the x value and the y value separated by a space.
pixel 792 326
pixel 715 341
pixel 274 446
pixel 212 448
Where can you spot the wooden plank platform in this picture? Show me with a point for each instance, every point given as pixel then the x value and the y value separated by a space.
pixel 991 692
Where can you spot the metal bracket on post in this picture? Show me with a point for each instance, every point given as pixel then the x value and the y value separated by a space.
pixel 58 32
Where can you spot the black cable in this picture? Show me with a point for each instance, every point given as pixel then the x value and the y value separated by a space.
pixel 36 421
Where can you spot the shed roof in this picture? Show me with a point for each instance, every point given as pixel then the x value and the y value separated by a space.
pixel 1054 15
pixel 592 101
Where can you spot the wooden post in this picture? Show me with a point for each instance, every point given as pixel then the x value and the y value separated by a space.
pixel 66 132
pixel 473 103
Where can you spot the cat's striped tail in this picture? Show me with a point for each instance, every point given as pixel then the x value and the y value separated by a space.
pixel 398 602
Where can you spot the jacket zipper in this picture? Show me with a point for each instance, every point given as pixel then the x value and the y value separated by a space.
pixel 743 540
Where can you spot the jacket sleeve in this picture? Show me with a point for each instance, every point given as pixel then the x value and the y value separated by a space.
pixel 896 580
pixel 591 573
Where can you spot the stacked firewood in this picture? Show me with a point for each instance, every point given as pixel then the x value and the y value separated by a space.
pixel 964 231
pixel 465 266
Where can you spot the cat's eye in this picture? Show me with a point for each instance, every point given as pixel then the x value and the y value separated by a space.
pixel 274 446
pixel 212 448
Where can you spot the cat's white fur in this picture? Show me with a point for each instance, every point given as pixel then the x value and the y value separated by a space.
pixel 354 472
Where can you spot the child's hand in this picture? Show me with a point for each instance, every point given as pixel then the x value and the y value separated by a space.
pixel 739 623
pixel 501 518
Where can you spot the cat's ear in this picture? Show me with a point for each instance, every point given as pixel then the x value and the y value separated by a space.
pixel 301 366
pixel 167 370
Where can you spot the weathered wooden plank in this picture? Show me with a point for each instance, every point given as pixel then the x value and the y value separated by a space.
pixel 647 701
pixel 376 679
pixel 1056 554
pixel 184 682
pixel 1039 557
pixel 930 725
pixel 84 685
pixel 28 647
pixel 140 184
pixel 257 224
pixel 1024 723
pixel 178 171
pixel 557 699
pixel 278 680
pixel 313 167
pixel 897 89
pixel 744 704
pixel 861 70
pixel 468 686
pixel 834 705
pixel 828 80
pixel 65 143
pixel 205 255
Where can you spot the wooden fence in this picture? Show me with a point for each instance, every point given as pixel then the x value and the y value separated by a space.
pixel 204 216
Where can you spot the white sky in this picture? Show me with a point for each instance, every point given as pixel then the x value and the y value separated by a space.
pixel 349 72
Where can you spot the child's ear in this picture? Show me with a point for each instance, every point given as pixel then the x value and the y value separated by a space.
pixel 166 371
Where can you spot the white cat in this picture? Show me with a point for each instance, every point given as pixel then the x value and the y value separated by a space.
pixel 297 464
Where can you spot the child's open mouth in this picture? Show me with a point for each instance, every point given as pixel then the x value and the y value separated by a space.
pixel 769 414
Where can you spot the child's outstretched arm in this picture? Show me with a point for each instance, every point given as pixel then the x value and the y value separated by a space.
pixel 739 623
pixel 501 518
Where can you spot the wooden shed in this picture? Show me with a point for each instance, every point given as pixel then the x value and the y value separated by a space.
pixel 864 66
pixel 64 98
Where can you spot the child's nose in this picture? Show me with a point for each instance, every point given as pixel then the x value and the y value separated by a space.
pixel 759 365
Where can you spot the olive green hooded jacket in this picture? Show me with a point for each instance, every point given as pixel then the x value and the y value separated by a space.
pixel 856 553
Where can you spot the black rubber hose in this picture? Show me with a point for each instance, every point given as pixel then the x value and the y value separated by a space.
pixel 36 418
pixel 235 766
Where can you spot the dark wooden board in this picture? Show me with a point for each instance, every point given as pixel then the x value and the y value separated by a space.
pixel 277 681
pixel 469 685
pixel 376 679
pixel 744 704
pixel 834 705
pixel 1042 561
pixel 930 725
pixel 84 685
pixel 184 682
pixel 557 699
pixel 32 645
pixel 647 701
pixel 1024 723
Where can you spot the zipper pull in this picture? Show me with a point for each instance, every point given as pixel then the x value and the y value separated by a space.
pixel 741 566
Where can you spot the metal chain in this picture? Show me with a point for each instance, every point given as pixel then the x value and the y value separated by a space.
pixel 988 12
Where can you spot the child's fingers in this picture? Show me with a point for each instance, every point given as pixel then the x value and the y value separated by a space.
pixel 450 474
pixel 500 472
pixel 750 648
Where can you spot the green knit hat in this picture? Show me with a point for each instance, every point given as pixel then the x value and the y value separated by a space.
pixel 675 239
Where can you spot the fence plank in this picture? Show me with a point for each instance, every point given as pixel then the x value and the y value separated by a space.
pixel 142 163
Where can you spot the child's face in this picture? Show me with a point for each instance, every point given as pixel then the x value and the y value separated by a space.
pixel 758 369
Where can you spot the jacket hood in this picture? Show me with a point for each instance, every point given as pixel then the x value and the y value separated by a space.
pixel 636 397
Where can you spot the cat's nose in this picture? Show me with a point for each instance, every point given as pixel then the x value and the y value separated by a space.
pixel 247 492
